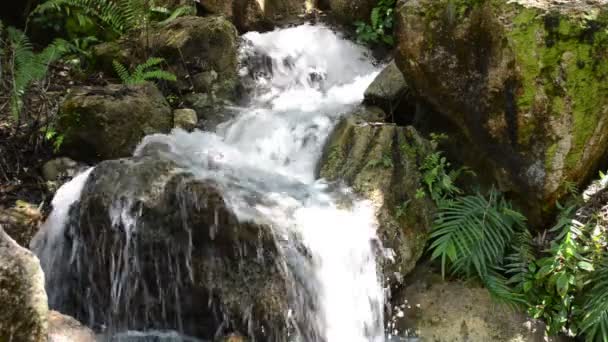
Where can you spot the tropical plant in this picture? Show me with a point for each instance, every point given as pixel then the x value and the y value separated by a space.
pixel 147 71
pixel 380 27
pixel 25 66
pixel 471 236
pixel 119 16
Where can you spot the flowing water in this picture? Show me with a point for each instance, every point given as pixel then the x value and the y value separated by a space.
pixel 305 79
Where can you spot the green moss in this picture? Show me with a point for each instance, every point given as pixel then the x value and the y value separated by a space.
pixel 563 60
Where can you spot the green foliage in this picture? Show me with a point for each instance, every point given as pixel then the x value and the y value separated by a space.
pixel 120 16
pixel 471 235
pixel 385 161
pixel 438 178
pixel 147 71
pixel 380 27
pixel 26 66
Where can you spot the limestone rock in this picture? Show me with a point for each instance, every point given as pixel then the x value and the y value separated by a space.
pixel 524 81
pixel 64 328
pixel 23 301
pixel 108 122
pixel 59 168
pixel 431 309
pixel 21 222
pixel 185 119
pixel 381 162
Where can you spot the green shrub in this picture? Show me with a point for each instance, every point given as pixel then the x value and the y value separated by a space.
pixel 380 27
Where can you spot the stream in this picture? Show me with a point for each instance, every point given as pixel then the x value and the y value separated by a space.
pixel 305 79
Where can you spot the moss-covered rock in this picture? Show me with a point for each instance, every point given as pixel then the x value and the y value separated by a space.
pixel 108 122
pixel 190 45
pixel 23 301
pixel 351 10
pixel 526 82
pixel 431 309
pixel 390 91
pixel 381 161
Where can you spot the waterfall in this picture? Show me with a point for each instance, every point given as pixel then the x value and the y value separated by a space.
pixel 305 79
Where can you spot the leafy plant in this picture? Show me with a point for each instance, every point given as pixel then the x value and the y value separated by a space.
pixel 119 16
pixel 385 161
pixel 26 66
pixel 380 27
pixel 471 235
pixel 143 72
pixel 438 178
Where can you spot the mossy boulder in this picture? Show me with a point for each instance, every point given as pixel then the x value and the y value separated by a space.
pixel 23 301
pixel 350 11
pixel 433 309
pixel 525 81
pixel 108 122
pixel 21 221
pixel 390 91
pixel 190 45
pixel 381 161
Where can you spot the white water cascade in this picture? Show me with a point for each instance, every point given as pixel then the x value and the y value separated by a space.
pixel 311 79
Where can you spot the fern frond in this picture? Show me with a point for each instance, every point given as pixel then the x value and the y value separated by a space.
pixel 121 71
pixel 178 12
pixel 595 320
pixel 108 12
pixel 520 263
pixel 473 232
pixel 159 75
pixel 498 287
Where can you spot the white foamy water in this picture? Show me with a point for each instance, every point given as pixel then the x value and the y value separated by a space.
pixel 271 149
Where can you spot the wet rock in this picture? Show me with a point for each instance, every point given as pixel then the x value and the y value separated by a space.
pixel 352 10
pixel 381 162
pixel 176 250
pixel 108 122
pixel 23 301
pixel 446 311
pixel 185 119
pixel 64 328
pixel 523 80
pixel 389 91
pixel 211 111
pixel 21 222
pixel 60 168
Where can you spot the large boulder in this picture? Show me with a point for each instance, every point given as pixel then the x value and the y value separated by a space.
pixel 381 162
pixel 108 122
pixel 190 45
pixel 23 301
pixel 350 11
pixel 149 245
pixel 431 309
pixel 523 80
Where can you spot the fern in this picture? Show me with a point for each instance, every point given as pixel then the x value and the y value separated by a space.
pixel 120 16
pixel 143 72
pixel 595 320
pixel 473 232
pixel 27 66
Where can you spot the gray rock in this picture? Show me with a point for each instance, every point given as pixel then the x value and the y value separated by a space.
pixel 23 301
pixel 64 328
pixel 446 311
pixel 21 221
pixel 60 168
pixel 108 122
pixel 351 10
pixel 185 119
pixel 388 89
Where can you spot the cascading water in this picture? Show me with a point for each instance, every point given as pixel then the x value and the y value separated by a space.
pixel 306 78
